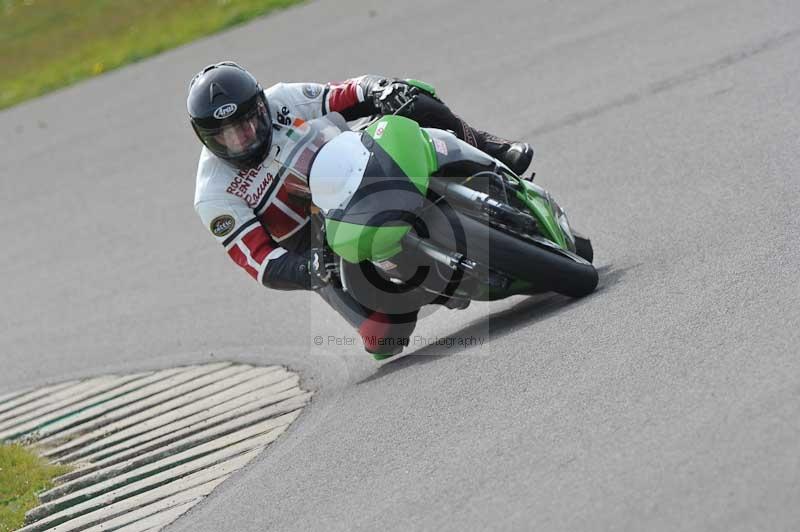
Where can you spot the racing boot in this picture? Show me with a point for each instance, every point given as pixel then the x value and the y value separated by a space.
pixel 385 335
pixel 516 155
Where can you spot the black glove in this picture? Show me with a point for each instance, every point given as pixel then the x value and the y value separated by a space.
pixel 322 267
pixel 389 99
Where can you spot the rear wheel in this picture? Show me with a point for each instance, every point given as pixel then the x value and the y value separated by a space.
pixel 547 268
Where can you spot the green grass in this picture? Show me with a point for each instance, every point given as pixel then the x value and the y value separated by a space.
pixel 22 475
pixel 47 44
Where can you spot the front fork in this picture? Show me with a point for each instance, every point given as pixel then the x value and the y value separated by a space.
pixel 456 262
pixel 490 283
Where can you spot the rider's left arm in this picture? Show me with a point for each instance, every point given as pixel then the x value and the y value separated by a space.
pixel 353 98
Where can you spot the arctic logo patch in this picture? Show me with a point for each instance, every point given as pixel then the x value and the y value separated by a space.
pixel 380 129
pixel 222 225
pixel 225 111
pixel 440 146
pixel 311 91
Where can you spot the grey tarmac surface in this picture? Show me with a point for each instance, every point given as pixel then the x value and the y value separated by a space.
pixel 668 400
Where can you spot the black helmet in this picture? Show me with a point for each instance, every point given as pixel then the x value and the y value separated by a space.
pixel 230 114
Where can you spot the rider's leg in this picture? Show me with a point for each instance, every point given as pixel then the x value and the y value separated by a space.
pixel 431 112
pixel 384 335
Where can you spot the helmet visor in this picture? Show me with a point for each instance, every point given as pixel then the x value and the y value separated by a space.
pixel 240 138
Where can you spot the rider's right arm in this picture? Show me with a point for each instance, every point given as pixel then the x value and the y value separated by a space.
pixel 235 226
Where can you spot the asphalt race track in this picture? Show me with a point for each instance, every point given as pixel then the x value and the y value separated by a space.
pixel 667 400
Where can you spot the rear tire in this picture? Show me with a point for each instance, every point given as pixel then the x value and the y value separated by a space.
pixel 547 269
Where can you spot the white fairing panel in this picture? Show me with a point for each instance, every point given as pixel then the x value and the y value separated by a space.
pixel 337 171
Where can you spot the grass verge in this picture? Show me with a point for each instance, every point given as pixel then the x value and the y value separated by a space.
pixel 23 474
pixel 47 44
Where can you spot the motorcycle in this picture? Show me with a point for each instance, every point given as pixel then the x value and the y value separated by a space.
pixel 415 216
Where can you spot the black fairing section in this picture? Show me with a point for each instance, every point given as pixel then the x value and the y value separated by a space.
pixel 461 158
pixel 384 183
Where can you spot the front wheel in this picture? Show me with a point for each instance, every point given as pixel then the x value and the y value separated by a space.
pixel 583 247
pixel 547 268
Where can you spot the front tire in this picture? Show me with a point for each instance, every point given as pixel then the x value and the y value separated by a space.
pixel 583 247
pixel 547 269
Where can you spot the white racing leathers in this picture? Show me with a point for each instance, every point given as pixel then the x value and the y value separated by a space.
pixel 264 228
pixel 252 213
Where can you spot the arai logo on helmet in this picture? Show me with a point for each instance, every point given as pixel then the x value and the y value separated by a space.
pixel 225 111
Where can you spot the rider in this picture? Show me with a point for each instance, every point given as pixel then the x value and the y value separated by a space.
pixel 256 147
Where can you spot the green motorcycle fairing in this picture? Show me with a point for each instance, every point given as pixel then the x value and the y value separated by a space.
pixel 539 203
pixel 408 145
pixel 425 87
pixel 397 174
pixel 403 157
pixel 448 149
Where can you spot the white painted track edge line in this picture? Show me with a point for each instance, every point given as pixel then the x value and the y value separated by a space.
pixel 82 454
pixel 42 417
pixel 98 423
pixel 273 407
pixel 185 459
pixel 220 469
pixel 161 518
pixel 125 448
